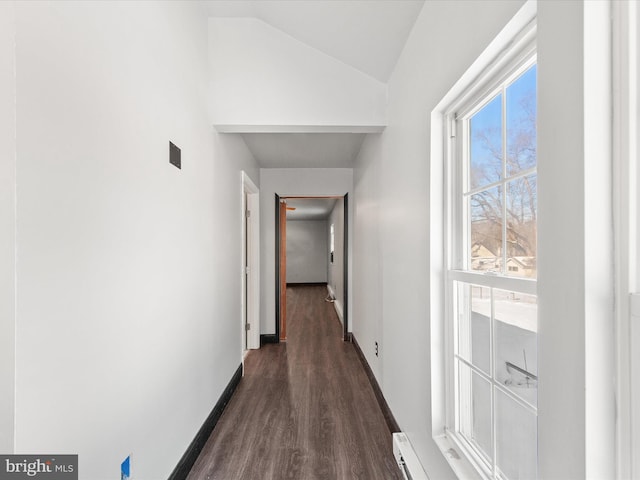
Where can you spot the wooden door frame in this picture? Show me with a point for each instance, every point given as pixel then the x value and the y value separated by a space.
pixel 345 315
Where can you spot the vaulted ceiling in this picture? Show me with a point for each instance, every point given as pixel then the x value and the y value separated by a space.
pixel 352 46
pixel 366 34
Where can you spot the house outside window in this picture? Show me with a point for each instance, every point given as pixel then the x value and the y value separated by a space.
pixel 490 296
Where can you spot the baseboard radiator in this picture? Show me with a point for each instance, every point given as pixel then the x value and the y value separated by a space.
pixel 407 459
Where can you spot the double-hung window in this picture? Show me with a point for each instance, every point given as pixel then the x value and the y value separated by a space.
pixel 490 299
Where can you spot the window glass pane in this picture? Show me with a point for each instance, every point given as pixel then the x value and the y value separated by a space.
pixel 522 227
pixel 521 123
pixel 475 393
pixel 485 144
pixel 516 343
pixel 516 439
pixel 474 334
pixel 486 230
pixel 482 415
pixel 494 230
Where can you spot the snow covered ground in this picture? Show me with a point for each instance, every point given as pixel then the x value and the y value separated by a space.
pixel 514 342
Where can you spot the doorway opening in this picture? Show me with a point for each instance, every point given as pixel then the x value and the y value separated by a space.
pixel 312 248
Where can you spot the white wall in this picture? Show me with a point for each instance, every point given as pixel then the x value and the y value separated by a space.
pixel 289 182
pixel 336 269
pixel 575 283
pixel 129 292
pixel 307 251
pixel 392 236
pixel 626 23
pixel 367 263
pixel 7 223
pixel 261 76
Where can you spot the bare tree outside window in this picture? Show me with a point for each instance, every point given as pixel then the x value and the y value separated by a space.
pixel 502 181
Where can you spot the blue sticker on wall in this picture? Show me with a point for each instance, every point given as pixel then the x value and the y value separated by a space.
pixel 125 469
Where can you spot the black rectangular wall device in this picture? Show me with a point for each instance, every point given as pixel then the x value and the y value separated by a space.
pixel 174 156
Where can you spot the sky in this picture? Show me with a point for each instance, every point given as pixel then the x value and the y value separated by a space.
pixel 486 127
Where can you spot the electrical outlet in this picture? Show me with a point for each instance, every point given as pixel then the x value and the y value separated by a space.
pixel 376 349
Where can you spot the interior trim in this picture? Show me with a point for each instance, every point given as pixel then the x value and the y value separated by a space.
pixel 193 451
pixel 269 338
pixel 238 128
pixel 382 402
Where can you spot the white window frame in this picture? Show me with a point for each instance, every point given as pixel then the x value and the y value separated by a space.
pixel 512 49
pixel 459 270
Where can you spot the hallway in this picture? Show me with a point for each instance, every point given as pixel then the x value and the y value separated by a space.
pixel 491 237
pixel 304 409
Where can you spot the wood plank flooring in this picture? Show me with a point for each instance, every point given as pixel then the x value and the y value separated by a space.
pixel 304 409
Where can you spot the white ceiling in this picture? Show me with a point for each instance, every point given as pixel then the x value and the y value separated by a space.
pixel 304 150
pixel 310 208
pixel 366 34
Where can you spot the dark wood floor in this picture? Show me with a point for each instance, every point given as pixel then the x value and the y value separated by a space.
pixel 304 409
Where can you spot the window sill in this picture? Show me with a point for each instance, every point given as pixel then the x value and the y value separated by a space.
pixel 459 463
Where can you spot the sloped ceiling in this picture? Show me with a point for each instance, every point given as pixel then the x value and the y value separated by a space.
pixel 262 79
pixel 366 34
